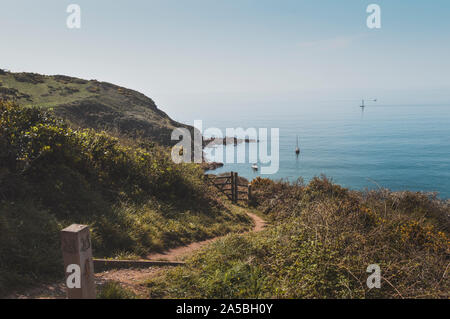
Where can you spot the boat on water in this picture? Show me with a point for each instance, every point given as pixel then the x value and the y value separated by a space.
pixel 255 167
pixel 297 149
pixel 362 105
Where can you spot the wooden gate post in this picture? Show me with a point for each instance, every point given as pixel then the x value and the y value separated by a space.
pixel 249 192
pixel 232 187
pixel 77 252
pixel 236 193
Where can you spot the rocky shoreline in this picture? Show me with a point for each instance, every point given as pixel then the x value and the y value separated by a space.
pixel 211 142
pixel 210 166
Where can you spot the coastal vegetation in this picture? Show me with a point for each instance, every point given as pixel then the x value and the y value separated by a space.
pixel 135 199
pixel 322 239
pixel 89 152
pixel 91 104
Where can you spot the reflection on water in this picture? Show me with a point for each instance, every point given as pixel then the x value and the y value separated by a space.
pixel 397 147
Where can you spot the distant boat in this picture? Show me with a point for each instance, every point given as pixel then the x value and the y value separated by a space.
pixel 362 105
pixel 297 149
pixel 255 167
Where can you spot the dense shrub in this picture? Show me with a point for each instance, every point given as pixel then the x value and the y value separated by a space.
pixel 133 196
pixel 33 78
pixel 322 240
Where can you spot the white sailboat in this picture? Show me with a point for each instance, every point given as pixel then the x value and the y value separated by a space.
pixel 297 149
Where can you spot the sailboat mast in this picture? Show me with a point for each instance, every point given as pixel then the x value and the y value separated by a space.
pixel 297 149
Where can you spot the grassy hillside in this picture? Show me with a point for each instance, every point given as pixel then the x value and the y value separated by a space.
pixel 134 197
pixel 91 104
pixel 322 240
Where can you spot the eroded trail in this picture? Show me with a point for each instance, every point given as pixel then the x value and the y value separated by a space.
pixel 177 254
pixel 132 278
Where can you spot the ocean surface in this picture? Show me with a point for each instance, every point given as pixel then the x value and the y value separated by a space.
pixel 400 147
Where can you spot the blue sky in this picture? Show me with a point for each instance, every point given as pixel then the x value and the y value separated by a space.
pixel 173 49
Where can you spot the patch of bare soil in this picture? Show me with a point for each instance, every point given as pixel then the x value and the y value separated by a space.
pixel 179 253
pixel 131 279
pixel 128 278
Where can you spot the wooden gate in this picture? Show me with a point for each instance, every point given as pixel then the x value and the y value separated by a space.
pixel 229 186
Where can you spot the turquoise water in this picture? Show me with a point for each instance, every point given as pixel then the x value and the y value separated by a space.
pixel 401 147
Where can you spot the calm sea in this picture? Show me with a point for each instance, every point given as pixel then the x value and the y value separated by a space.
pixel 401 147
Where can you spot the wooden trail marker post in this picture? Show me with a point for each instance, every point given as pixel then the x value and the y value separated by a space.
pixel 77 250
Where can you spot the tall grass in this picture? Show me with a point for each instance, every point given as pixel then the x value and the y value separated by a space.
pixel 113 290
